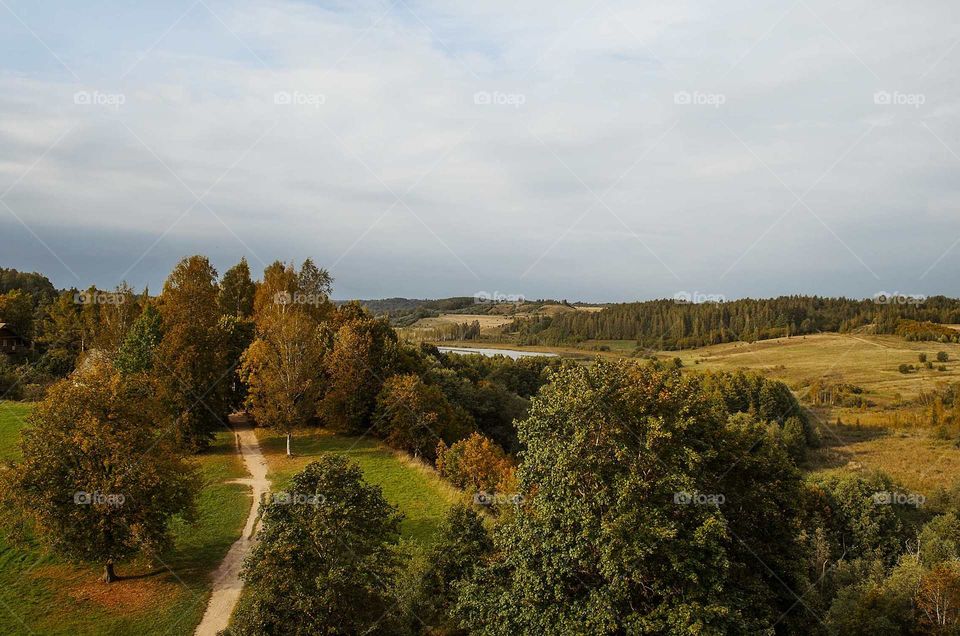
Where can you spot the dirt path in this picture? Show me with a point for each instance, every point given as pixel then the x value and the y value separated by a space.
pixel 226 580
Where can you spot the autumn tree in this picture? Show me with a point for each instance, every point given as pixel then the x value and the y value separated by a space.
pixel 191 363
pixel 117 310
pixel 99 480
pixel 237 291
pixel 284 288
pixel 475 464
pixel 362 355
pixel 283 370
pixel 325 560
pixel 413 416
pixel 16 308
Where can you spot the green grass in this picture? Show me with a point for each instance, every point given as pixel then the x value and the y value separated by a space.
pixel 421 494
pixel 40 594
pixel 12 418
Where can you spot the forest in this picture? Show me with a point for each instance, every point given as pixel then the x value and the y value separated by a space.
pixel 672 325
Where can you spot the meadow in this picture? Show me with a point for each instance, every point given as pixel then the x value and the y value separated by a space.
pixel 40 594
pixel 415 488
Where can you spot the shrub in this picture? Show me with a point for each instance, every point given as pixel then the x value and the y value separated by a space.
pixel 905 368
pixel 922 357
pixel 942 356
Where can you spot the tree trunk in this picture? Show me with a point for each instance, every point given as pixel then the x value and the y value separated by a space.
pixel 109 576
pixel 288 444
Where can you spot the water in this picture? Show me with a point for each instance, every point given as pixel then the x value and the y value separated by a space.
pixel 510 353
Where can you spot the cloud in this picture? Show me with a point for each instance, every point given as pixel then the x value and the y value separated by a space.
pixel 438 148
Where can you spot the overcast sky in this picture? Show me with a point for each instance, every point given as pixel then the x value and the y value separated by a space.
pixel 583 150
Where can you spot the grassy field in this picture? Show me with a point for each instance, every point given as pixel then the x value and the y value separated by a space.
pixel 419 492
pixel 40 594
pixel 913 459
pixel 868 361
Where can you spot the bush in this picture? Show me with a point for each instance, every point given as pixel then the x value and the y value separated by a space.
pixel 905 368
pixel 922 357
pixel 942 356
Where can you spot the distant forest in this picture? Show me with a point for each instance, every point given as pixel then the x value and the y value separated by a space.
pixel 670 325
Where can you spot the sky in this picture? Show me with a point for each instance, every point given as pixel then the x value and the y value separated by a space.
pixel 594 150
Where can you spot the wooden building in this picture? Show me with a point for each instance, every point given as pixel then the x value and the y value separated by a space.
pixel 11 341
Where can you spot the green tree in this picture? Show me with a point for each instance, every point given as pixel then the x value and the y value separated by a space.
pixel 137 351
pixel 99 480
pixel 461 545
pixel 634 521
pixel 325 558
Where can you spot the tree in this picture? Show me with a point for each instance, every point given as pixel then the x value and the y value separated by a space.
pixel 237 291
pixel 795 438
pixel 413 416
pixel 922 357
pixel 99 480
pixel 461 545
pixel 325 558
pixel 362 355
pixel 633 521
pixel 16 308
pixel 191 361
pixel 283 371
pixel 138 347
pixel 61 332
pixel 116 312
pixel 475 464
pixel 938 598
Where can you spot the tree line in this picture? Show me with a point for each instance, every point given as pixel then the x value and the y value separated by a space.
pixel 671 325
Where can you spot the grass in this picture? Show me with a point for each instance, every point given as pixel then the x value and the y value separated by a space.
pixel 913 459
pixel 415 488
pixel 40 594
pixel 868 361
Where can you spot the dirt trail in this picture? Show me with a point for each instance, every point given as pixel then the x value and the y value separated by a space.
pixel 226 580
